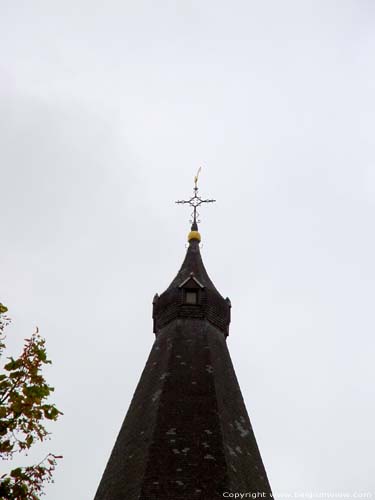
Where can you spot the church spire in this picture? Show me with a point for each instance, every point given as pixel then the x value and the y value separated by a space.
pixel 187 434
pixel 195 201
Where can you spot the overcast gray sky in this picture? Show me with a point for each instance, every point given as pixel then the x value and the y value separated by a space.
pixel 107 109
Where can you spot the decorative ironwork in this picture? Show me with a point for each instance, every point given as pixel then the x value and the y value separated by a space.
pixel 195 201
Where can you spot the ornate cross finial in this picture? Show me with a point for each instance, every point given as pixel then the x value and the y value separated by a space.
pixel 195 201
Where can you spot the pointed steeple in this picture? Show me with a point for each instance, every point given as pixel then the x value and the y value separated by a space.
pixel 192 294
pixel 187 434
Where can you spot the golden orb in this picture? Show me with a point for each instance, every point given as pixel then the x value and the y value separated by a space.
pixel 194 235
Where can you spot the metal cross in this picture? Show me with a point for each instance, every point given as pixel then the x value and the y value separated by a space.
pixel 195 201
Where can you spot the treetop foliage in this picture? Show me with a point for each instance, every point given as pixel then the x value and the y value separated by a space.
pixel 24 410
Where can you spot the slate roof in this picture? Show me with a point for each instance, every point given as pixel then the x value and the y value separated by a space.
pixel 187 434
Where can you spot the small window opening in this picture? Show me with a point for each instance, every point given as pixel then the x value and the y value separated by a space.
pixel 191 297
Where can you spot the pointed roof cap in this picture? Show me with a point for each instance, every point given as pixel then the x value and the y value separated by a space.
pixel 209 303
pixel 193 266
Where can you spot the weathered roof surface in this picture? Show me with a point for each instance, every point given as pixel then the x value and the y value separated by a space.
pixel 187 434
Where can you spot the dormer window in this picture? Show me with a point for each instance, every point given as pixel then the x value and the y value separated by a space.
pixel 191 290
pixel 191 296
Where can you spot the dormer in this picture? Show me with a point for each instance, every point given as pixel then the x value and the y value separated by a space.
pixel 191 290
